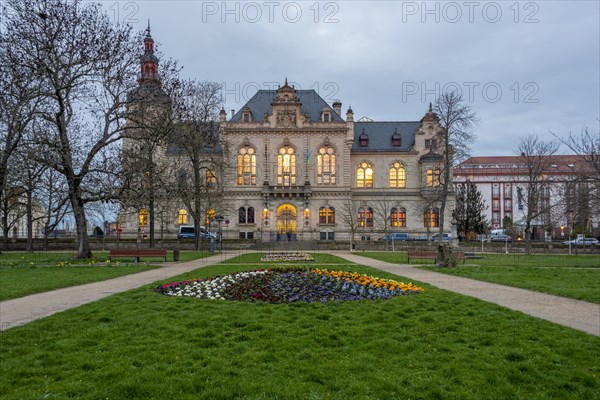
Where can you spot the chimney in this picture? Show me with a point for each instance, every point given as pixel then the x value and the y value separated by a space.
pixel 232 112
pixel 337 107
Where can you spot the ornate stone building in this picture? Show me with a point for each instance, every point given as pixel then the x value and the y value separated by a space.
pixel 306 171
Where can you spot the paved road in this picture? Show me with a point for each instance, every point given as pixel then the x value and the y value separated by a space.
pixel 26 309
pixel 576 314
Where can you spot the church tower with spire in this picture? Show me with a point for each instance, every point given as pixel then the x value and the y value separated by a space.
pixel 148 61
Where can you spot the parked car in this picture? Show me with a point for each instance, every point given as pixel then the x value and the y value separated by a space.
pixel 500 238
pixel 435 236
pixel 396 236
pixel 188 232
pixel 420 238
pixel 583 242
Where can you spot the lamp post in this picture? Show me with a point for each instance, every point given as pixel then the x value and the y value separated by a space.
pixel 219 218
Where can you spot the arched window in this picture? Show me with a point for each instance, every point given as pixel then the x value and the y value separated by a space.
pixel 182 217
pixel 398 217
pixel 250 215
pixel 242 215
pixel 433 177
pixel 286 166
pixel 365 217
pixel 246 166
pixel 143 217
pixel 364 175
pixel 326 166
pixel 431 218
pixel 397 175
pixel 326 215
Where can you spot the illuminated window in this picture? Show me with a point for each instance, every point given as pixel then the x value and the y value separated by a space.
pixel 398 217
pixel 326 166
pixel 364 175
pixel 211 179
pixel 326 215
pixel 246 166
pixel 365 217
pixel 397 175
pixel 143 217
pixel 182 217
pixel 433 177
pixel 286 166
pixel 210 215
pixel 431 218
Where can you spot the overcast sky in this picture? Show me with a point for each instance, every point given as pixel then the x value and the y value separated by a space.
pixel 525 67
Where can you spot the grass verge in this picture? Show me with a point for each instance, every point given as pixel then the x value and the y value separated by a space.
pixel 22 274
pixel 438 344
pixel 574 276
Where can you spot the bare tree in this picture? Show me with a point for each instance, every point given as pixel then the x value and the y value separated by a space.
pixel 18 102
pixel 52 193
pixel 382 208
pixel 85 66
pixel 587 146
pixel 196 143
pixel 536 158
pixel 349 213
pixel 457 120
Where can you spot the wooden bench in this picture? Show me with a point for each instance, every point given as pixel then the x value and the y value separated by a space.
pixel 422 254
pixel 137 253
pixel 432 255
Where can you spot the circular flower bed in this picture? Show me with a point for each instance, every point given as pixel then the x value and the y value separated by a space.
pixel 289 285
pixel 285 257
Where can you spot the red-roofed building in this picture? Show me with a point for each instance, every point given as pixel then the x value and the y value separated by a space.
pixel 564 199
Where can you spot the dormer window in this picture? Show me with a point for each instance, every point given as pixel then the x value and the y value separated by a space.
pixel 325 114
pixel 363 139
pixel 396 139
pixel 246 115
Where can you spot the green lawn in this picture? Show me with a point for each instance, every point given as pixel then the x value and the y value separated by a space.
pixel 22 274
pixel 142 345
pixel 574 276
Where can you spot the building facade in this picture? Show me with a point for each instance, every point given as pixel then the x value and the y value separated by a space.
pixel 303 170
pixel 564 204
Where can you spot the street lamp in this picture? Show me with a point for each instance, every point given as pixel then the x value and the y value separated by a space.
pixel 219 218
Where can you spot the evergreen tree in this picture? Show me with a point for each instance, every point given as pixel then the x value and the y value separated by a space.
pixel 469 210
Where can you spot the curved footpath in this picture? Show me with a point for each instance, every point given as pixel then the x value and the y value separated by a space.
pixel 575 314
pixel 26 309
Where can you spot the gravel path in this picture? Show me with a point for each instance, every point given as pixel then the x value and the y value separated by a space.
pixel 575 314
pixel 26 309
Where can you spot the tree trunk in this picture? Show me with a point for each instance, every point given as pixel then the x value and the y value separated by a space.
pixel 528 238
pixel 83 243
pixel 29 222
pixel 151 215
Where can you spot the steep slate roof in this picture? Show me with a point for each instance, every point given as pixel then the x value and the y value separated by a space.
pixel 380 135
pixel 312 104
